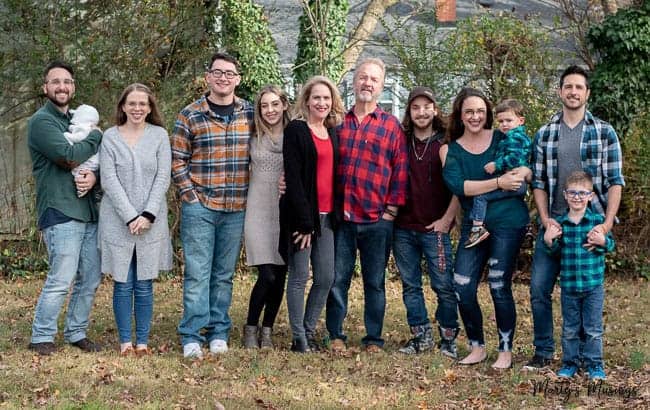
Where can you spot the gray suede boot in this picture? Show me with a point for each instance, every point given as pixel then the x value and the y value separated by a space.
pixel 250 337
pixel 265 338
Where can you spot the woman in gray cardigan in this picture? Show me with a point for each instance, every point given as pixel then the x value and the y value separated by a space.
pixel 135 166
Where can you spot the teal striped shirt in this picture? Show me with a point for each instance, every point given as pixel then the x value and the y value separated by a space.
pixel 580 269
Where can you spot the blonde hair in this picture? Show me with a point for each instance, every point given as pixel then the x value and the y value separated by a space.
pixel 301 110
pixel 261 126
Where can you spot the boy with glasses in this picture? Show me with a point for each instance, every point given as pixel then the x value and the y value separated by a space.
pixel 573 140
pixel 582 273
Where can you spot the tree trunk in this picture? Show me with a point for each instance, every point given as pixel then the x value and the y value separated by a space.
pixel 610 6
pixel 360 35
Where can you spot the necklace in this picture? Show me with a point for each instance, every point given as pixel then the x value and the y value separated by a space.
pixel 419 157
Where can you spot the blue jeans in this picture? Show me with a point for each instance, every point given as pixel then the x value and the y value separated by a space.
pixel 373 241
pixel 408 248
pixel 582 327
pixel 74 261
pixel 480 202
pixel 499 252
pixel 211 244
pixel 303 317
pixel 133 297
pixel 544 274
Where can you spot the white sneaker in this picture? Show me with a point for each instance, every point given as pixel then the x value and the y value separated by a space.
pixel 192 351
pixel 218 346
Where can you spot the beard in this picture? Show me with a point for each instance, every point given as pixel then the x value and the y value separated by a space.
pixel 417 123
pixel 60 104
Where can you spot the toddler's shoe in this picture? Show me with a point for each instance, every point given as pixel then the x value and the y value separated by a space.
pixel 596 373
pixel 477 235
pixel 567 371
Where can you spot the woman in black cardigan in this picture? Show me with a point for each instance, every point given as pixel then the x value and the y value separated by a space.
pixel 310 152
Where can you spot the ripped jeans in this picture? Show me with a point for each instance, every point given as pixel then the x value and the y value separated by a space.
pixel 499 251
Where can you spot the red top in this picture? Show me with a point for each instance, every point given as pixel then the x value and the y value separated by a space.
pixel 373 165
pixel 324 173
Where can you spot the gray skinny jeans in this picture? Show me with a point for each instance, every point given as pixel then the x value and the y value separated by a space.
pixel 304 317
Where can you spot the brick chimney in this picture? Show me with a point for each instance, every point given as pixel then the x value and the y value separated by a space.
pixel 446 11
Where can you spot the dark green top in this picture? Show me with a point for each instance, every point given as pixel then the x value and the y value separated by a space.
pixel 461 166
pixel 52 159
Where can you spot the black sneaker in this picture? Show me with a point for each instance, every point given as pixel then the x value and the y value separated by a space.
pixel 86 345
pixel 300 346
pixel 43 349
pixel 537 363
pixel 313 344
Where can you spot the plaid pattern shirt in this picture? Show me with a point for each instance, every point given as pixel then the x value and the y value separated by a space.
pixel 580 269
pixel 373 166
pixel 210 156
pixel 513 151
pixel 600 153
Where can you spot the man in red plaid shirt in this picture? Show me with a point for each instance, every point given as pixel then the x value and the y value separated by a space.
pixel 371 184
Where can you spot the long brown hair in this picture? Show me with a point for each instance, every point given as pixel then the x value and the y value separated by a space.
pixel 153 117
pixel 439 122
pixel 301 111
pixel 261 127
pixel 456 127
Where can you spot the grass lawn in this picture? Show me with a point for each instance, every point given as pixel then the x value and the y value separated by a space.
pixel 279 379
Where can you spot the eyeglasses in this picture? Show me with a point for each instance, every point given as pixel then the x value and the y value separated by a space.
pixel 58 81
pixel 471 113
pixel 216 73
pixel 572 193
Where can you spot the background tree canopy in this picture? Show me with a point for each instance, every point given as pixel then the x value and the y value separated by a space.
pixel 166 45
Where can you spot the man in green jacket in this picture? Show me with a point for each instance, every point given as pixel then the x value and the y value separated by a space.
pixel 68 222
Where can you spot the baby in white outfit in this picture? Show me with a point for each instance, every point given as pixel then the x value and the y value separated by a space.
pixel 84 119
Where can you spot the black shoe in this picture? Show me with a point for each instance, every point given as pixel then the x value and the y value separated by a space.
pixel 43 349
pixel 86 345
pixel 300 346
pixel 537 363
pixel 313 344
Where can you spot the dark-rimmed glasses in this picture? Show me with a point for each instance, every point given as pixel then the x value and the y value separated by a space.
pixel 216 73
pixel 572 193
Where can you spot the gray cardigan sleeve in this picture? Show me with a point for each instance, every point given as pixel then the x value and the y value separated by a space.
pixel 162 179
pixel 109 179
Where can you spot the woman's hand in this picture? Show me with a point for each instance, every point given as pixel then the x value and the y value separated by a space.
pixel 302 240
pixel 511 181
pixel 139 225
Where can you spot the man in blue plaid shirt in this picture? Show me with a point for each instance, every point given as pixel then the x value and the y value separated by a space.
pixel 574 140
pixel 582 275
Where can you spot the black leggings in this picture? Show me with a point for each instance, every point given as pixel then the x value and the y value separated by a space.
pixel 268 291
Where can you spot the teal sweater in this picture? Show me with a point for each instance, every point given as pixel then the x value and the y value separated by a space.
pixel 53 158
pixel 462 166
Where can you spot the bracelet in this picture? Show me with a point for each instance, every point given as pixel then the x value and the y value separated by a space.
pixel 498 183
